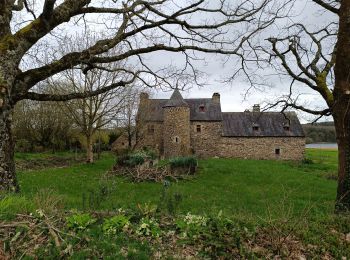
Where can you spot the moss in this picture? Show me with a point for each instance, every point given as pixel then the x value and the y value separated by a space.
pixel 34 24
pixel 7 42
pixel 321 81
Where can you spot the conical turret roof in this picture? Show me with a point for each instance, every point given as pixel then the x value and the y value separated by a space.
pixel 176 100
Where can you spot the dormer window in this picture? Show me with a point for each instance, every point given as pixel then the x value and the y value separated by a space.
pixel 256 127
pixel 286 128
pixel 201 108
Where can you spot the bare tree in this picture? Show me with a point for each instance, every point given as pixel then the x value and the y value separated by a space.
pixel 319 60
pixel 128 116
pixel 93 113
pixel 31 31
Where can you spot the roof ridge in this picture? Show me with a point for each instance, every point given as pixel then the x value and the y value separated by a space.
pixel 176 100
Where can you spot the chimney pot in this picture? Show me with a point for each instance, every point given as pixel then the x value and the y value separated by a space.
pixel 216 97
pixel 256 108
pixel 144 95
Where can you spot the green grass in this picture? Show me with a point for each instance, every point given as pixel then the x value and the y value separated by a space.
pixel 282 197
pixel 248 188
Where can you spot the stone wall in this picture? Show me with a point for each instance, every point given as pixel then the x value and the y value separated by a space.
pixel 151 139
pixel 290 148
pixel 204 143
pixel 176 131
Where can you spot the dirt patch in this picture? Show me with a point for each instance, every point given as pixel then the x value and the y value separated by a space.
pixel 49 162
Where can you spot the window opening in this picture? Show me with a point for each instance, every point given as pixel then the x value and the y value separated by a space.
pixel 151 129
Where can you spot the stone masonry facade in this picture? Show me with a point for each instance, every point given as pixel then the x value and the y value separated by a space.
pixel 182 127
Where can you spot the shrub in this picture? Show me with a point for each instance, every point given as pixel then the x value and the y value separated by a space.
pixel 135 159
pixel 183 162
pixel 23 146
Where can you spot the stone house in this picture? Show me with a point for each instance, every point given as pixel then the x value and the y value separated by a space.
pixel 180 127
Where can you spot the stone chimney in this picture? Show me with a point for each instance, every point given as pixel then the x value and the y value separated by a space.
pixel 216 98
pixel 143 96
pixel 256 108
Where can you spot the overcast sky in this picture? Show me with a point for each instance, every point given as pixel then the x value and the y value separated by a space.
pixel 233 96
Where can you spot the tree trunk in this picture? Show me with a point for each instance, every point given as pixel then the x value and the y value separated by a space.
pixel 342 127
pixel 89 150
pixel 8 180
pixel 341 108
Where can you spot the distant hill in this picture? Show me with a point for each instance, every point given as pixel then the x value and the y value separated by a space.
pixel 320 132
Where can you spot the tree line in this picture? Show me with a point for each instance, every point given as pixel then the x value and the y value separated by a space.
pixel 320 133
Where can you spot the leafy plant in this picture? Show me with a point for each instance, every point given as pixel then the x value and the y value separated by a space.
pixel 135 159
pixel 191 225
pixel 148 227
pixel 147 209
pixel 115 224
pixel 183 162
pixel 80 221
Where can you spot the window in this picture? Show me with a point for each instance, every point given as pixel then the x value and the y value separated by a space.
pixel 151 129
pixel 201 108
pixel 199 128
pixel 176 139
pixel 277 151
pixel 286 127
pixel 255 128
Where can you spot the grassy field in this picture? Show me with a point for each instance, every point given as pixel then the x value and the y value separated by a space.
pixel 299 196
pixel 236 187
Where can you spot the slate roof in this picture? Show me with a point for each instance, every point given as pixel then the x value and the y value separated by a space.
pixel 212 110
pixel 235 124
pixel 240 124
pixel 176 100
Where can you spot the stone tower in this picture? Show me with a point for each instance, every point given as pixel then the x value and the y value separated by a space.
pixel 176 132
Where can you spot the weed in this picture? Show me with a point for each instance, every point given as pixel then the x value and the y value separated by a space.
pixel 80 221
pixel 169 201
pixel 147 209
pixel 191 225
pixel 48 201
pixel 148 227
pixel 115 224
pixel 12 204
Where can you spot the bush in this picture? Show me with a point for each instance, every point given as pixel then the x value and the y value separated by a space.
pixel 23 146
pixel 183 162
pixel 134 159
